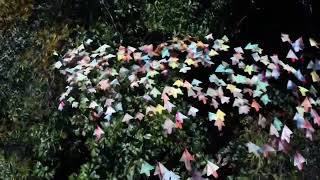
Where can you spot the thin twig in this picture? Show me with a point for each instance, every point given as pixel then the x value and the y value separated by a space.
pixel 111 17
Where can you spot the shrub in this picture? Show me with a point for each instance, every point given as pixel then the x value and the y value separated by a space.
pixel 125 100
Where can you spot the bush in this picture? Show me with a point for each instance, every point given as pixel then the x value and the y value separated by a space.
pixel 107 92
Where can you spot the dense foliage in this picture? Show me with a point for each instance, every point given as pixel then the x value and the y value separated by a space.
pixel 38 141
pixel 136 93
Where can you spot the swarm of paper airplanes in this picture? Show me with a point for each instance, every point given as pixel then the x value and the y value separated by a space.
pixel 245 79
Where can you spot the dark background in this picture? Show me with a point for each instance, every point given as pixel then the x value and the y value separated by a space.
pixel 264 20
